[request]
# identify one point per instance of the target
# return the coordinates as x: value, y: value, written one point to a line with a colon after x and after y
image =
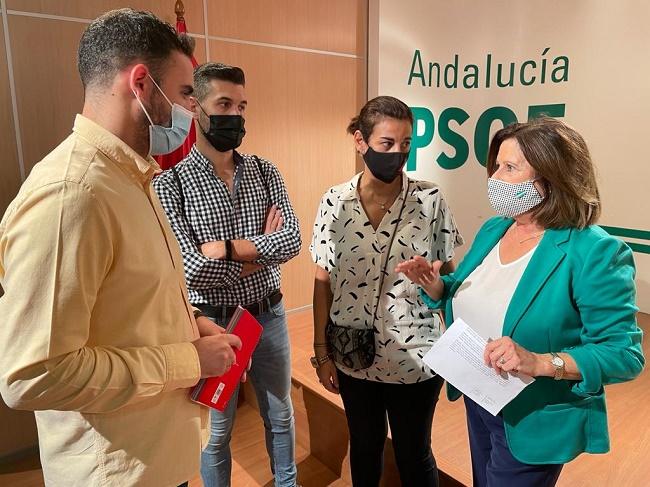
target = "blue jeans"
x: 493, y: 465
x: 270, y: 376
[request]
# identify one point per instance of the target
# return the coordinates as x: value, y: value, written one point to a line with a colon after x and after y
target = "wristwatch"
x: 228, y: 245
x: 197, y: 313
x: 558, y: 363
x: 317, y: 362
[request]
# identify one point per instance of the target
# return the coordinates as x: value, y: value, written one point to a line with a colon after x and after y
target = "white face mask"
x: 513, y: 199
x: 163, y: 140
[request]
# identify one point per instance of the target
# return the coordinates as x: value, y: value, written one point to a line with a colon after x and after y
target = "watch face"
x: 557, y: 362
x: 314, y: 362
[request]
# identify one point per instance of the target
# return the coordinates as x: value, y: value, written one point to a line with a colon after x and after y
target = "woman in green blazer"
x: 553, y: 294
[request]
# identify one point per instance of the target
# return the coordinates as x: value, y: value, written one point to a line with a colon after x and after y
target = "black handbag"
x: 354, y: 348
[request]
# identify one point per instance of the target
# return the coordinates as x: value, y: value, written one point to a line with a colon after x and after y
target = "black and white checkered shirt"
x: 212, y: 213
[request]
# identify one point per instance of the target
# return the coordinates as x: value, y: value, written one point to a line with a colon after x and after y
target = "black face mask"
x: 226, y: 132
x: 385, y: 166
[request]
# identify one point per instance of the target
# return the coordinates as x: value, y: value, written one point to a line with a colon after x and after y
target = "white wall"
x: 604, y: 90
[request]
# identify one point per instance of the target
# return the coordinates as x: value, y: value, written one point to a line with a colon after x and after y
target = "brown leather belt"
x: 263, y: 306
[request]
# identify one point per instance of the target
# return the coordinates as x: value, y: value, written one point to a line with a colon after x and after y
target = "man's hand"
x: 207, y: 327
x: 250, y: 268
x: 216, y: 353
x: 274, y: 220
x: 214, y: 250
x: 244, y: 376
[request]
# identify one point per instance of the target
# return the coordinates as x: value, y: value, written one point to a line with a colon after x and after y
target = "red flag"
x: 168, y: 160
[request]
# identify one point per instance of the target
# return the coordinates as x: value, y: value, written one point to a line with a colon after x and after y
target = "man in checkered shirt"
x: 235, y: 225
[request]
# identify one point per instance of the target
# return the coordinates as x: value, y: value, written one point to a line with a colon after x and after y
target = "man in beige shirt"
x: 96, y: 332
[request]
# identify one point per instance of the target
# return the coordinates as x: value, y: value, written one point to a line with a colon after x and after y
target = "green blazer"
x: 577, y: 295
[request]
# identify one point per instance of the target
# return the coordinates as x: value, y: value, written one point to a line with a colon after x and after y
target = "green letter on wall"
x: 554, y: 110
x: 420, y: 140
x: 482, y: 132
x: 454, y: 139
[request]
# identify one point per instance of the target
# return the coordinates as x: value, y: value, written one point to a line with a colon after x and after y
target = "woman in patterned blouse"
x: 363, y: 229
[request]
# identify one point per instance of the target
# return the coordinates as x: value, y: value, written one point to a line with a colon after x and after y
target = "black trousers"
x: 409, y: 408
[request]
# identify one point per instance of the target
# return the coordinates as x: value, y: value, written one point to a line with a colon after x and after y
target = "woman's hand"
x: 504, y: 355
x: 328, y: 377
x: 423, y: 273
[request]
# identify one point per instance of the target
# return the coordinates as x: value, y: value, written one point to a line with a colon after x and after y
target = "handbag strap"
x: 390, y: 246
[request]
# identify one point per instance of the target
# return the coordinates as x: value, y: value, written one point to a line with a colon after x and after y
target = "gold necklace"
x: 537, y: 235
x: 530, y: 238
x: 373, y: 200
x: 383, y: 205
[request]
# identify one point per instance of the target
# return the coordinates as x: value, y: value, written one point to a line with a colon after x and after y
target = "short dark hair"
x: 119, y: 37
x: 207, y: 72
x: 560, y: 157
x: 377, y: 109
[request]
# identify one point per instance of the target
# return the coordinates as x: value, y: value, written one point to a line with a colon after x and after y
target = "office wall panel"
x: 48, y: 89
x: 9, y: 168
x: 89, y: 9
x: 330, y: 26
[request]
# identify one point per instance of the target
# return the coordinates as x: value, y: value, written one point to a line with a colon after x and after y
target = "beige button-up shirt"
x: 95, y: 325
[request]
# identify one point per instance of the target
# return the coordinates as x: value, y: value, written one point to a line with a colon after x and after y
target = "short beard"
x: 160, y: 111
x: 142, y: 131
x: 201, y: 121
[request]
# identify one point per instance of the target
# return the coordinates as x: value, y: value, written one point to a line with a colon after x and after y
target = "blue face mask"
x: 513, y: 199
x: 163, y: 140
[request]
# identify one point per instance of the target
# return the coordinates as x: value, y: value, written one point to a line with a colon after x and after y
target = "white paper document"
x: 458, y: 357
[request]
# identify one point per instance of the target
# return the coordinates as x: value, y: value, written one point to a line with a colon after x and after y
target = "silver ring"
x: 502, y: 361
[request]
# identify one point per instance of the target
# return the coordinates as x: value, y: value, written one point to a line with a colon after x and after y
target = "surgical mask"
x: 513, y: 199
x: 385, y: 166
x: 226, y: 132
x: 163, y: 140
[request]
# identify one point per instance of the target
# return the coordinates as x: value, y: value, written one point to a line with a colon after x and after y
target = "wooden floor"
x: 626, y: 465
x: 250, y: 461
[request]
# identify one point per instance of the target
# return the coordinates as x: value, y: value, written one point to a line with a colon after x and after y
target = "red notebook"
x: 217, y: 391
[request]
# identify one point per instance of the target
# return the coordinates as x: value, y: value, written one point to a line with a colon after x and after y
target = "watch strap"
x: 228, y: 244
x: 559, y: 369
x: 318, y: 361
